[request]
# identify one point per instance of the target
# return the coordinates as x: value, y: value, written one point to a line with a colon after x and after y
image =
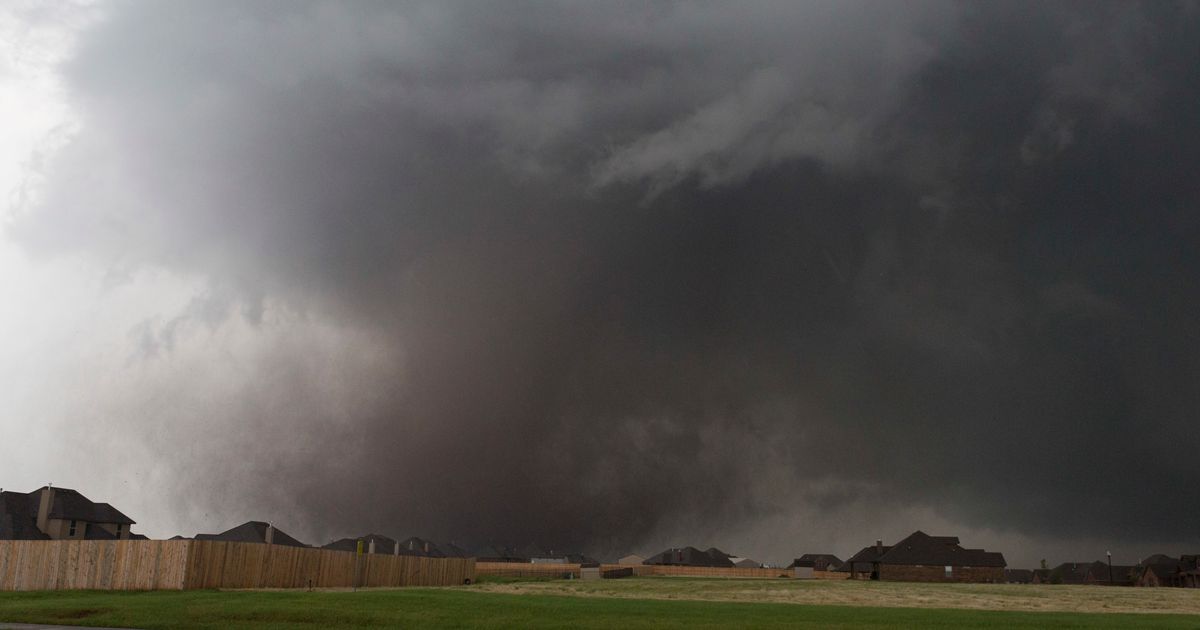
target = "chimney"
x: 47, y: 502
x: 270, y: 534
x: 879, y: 547
x: 371, y: 546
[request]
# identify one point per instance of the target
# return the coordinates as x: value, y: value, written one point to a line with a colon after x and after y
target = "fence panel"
x: 28, y: 565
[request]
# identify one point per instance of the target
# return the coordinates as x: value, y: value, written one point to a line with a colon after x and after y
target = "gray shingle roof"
x: 691, y: 557
x: 71, y: 505
x: 18, y: 517
x: 252, y: 531
x: 921, y: 548
x: 383, y: 544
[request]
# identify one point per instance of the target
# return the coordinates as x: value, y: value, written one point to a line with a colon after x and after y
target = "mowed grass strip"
x: 473, y: 608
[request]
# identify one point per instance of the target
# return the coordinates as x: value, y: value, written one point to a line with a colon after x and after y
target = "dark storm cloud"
x: 631, y: 262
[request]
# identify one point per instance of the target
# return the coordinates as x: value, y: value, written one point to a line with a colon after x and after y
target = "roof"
x: 71, y: 505
x: 921, y: 548
x: 1161, y: 569
x: 816, y: 558
x: 1069, y: 573
x: 1158, y: 558
x: 383, y: 544
x: 868, y: 554
x: 1019, y: 576
x: 1099, y: 571
x: 690, y: 556
x: 18, y: 517
x: 254, y: 532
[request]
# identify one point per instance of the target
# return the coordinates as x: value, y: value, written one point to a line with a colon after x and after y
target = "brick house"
x: 924, y: 558
x: 50, y: 513
x: 1162, y: 570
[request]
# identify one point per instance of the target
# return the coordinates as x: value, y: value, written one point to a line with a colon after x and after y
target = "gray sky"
x: 775, y: 277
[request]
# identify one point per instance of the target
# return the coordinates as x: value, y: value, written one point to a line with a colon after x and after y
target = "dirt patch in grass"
x: 77, y: 613
x: 1013, y: 597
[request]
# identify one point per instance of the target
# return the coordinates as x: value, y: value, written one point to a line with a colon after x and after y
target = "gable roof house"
x: 420, y: 547
x: 690, y: 557
x: 1018, y: 576
x: 1099, y: 572
x: 820, y: 561
x: 372, y: 543
x: 924, y: 558
x: 1158, y: 574
x: 254, y: 532
x: 1167, y: 571
x: 1069, y: 573
x: 50, y: 513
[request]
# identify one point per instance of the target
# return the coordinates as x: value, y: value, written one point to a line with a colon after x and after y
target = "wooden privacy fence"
x: 27, y: 565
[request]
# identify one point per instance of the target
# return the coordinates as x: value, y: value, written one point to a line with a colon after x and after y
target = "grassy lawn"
x: 476, y: 607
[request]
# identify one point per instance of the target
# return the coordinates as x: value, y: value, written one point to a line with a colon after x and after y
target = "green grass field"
x: 482, y: 607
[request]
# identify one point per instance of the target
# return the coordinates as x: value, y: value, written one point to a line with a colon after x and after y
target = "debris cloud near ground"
x: 778, y: 278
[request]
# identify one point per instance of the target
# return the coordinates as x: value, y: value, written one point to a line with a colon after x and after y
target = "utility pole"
x: 1110, y: 580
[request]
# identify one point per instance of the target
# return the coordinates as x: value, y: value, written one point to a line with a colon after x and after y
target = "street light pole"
x: 1110, y: 580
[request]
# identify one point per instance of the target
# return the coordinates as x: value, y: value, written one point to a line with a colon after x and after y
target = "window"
x: 949, y: 571
x: 119, y: 525
x: 71, y: 531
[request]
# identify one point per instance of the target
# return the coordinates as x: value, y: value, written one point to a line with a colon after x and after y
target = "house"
x: 254, y: 532
x: 50, y: 513
x: 745, y: 563
x: 422, y: 547
x: 632, y: 558
x: 1069, y: 573
x: 690, y: 557
x: 1167, y: 571
x: 1099, y: 572
x: 1159, y: 574
x: 802, y: 569
x: 820, y: 561
x: 924, y: 558
x: 371, y: 543
x: 1018, y: 576
x: 868, y: 557
x: 538, y: 554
